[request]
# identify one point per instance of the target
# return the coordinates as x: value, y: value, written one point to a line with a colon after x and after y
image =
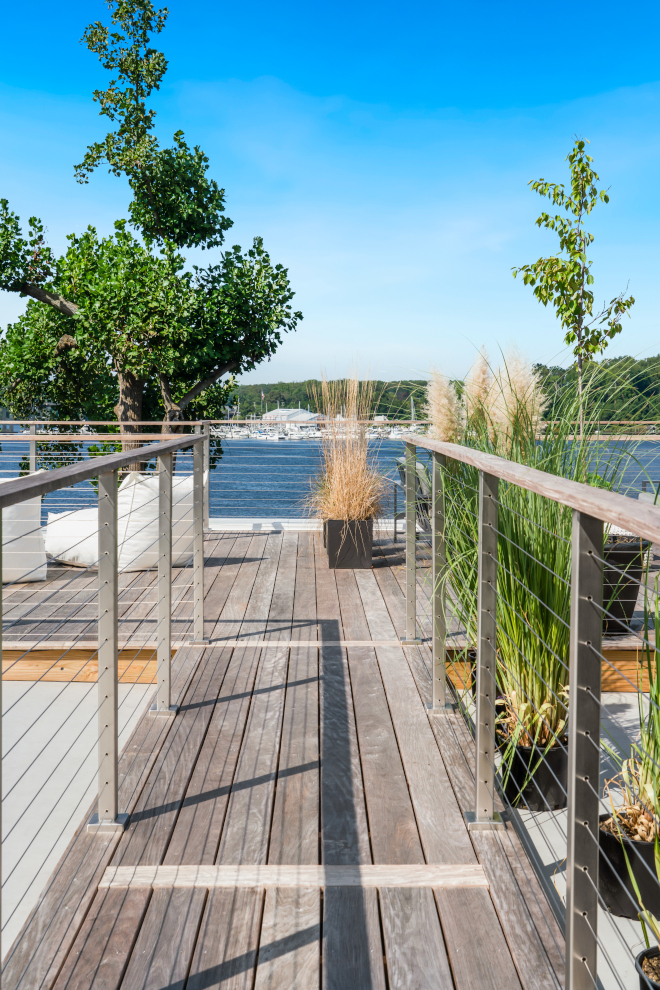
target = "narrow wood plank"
x: 203, y: 814
x: 231, y: 556
x: 100, y: 953
x: 144, y: 746
x: 441, y: 825
x: 394, y: 598
x: 530, y: 927
x: 392, y: 825
x: 483, y: 961
x: 280, y: 611
x: 137, y: 666
x: 534, y: 938
x: 344, y: 828
x: 287, y: 875
x: 290, y: 945
x: 352, y: 944
x: 414, y: 946
x: 255, y: 619
x: 44, y: 623
x: 164, y: 948
x: 201, y: 819
x: 294, y: 834
x: 229, y: 622
x: 182, y: 590
x: 247, y: 824
x: 153, y: 820
x: 226, y: 952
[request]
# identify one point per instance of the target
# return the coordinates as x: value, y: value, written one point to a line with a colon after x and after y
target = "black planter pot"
x: 614, y: 880
x: 645, y: 982
x: 349, y: 543
x: 546, y: 789
x: 627, y: 555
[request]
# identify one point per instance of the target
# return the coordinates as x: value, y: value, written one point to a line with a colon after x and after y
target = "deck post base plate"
x: 475, y: 824
x: 164, y: 712
x: 119, y: 825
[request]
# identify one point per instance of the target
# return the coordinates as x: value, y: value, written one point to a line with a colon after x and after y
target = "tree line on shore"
x: 628, y: 388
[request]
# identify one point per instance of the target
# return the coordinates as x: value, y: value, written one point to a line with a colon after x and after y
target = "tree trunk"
x: 129, y: 412
x: 580, y: 406
x: 173, y: 412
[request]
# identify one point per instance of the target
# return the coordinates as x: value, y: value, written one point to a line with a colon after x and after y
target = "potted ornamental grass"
x: 630, y: 830
x: 500, y: 413
x: 647, y: 962
x: 349, y: 492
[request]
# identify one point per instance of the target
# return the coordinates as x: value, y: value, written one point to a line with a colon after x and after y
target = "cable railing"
x: 92, y: 616
x: 536, y: 598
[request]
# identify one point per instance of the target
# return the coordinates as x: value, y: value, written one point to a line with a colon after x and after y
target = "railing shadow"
x: 344, y: 840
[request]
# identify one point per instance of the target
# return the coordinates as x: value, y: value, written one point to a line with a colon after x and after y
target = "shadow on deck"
x: 294, y: 748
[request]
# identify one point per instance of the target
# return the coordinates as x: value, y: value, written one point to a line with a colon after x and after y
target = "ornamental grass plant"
x: 349, y: 485
x: 502, y: 416
x: 637, y: 815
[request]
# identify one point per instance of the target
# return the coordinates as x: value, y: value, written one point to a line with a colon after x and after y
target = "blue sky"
x: 383, y: 153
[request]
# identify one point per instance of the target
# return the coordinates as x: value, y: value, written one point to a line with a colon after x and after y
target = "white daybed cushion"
x: 72, y: 537
x: 23, y: 550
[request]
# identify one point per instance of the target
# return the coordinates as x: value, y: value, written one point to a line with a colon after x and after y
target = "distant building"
x: 292, y: 416
x: 380, y: 419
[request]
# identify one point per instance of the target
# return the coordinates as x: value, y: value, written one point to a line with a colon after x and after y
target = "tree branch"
x: 50, y: 298
x: 206, y: 383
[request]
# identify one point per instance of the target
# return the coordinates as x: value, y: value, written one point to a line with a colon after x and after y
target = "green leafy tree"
x: 144, y: 329
x: 564, y: 280
x: 122, y: 316
x: 173, y: 199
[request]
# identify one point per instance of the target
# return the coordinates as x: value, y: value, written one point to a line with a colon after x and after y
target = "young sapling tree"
x: 564, y: 279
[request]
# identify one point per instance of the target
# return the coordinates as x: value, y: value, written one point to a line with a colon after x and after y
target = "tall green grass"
x: 534, y: 549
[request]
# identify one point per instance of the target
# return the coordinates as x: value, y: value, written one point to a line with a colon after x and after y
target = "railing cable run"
x: 109, y: 817
x: 582, y: 627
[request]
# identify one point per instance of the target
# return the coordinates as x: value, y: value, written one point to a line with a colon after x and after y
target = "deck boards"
x: 302, y: 740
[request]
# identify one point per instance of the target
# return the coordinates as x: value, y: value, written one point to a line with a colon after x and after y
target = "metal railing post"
x: 584, y: 753
x: 207, y: 476
x: 394, y: 486
x: 484, y: 816
x: 411, y: 545
x: 163, y: 703
x: 438, y: 593
x: 33, y: 450
x: 107, y: 818
x: 198, y: 544
x: 1, y: 754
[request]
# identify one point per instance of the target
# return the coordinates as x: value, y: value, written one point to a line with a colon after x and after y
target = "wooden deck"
x: 302, y: 740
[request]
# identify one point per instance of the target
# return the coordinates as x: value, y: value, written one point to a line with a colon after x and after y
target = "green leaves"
x: 22, y: 259
x: 122, y: 319
x: 139, y: 314
x: 563, y: 280
x: 174, y: 200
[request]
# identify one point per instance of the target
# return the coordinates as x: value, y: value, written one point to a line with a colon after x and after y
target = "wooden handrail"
x: 639, y: 518
x: 35, y: 485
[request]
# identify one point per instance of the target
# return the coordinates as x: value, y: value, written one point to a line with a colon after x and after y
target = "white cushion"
x: 23, y: 551
x: 72, y: 537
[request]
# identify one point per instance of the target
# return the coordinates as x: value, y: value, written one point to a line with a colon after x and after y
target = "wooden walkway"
x: 302, y: 740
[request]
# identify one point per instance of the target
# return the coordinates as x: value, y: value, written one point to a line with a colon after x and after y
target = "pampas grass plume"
x: 517, y: 401
x: 443, y: 408
x: 478, y: 385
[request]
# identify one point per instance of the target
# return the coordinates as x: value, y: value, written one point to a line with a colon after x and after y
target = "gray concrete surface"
x: 49, y: 733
